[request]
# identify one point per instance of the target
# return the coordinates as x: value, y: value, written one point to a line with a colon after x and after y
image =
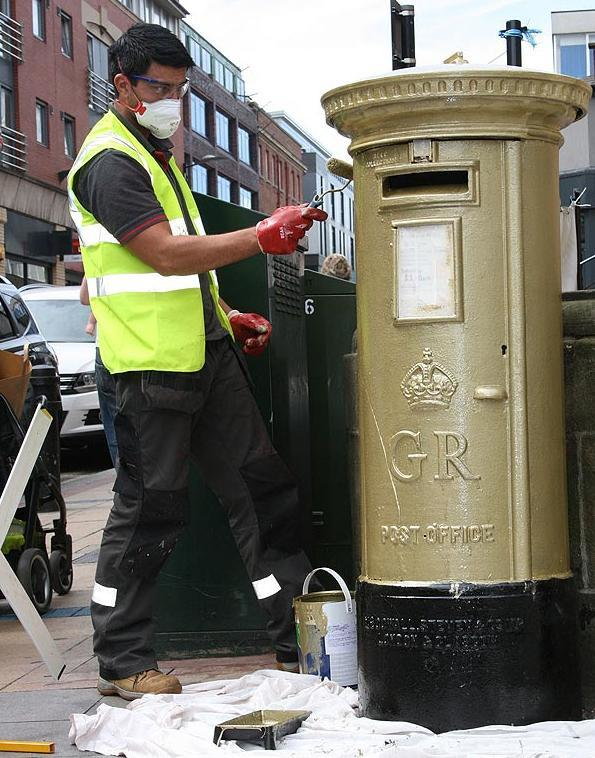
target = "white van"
x: 62, y: 319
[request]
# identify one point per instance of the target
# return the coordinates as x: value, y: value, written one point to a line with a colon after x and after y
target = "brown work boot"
x: 152, y: 682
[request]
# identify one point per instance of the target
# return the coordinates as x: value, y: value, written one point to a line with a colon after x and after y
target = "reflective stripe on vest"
x: 95, y: 234
x: 115, y: 284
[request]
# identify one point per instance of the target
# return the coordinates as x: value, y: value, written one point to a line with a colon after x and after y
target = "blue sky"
x: 293, y: 52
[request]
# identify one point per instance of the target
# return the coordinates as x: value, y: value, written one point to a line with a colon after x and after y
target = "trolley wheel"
x: 33, y: 572
x: 60, y: 572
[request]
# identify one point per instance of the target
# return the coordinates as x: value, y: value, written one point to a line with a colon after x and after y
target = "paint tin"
x: 326, y: 632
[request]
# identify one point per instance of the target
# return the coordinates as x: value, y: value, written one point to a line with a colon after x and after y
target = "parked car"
x: 18, y: 331
x: 62, y: 320
x: 18, y: 328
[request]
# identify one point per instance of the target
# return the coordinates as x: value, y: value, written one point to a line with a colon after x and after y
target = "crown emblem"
x: 428, y: 384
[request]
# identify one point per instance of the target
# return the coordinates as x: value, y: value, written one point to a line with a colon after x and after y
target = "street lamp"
x: 198, y: 161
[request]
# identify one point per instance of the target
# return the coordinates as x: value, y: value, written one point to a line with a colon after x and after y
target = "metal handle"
x: 340, y: 581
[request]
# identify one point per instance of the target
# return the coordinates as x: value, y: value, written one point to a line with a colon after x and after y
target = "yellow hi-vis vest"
x: 146, y: 321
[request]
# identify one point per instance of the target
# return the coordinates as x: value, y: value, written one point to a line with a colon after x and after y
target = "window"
x: 240, y: 89
x: 69, y: 136
x: 199, y: 179
x: 198, y: 114
x: 97, y: 57
x: 228, y: 80
x: 59, y: 320
x: 205, y: 60
x: 41, y: 123
x: 218, y: 71
x: 573, y: 60
x: 38, y: 8
x: 6, y: 108
x: 223, y: 189
x: 5, y: 7
x: 222, y: 126
x: 66, y: 34
x: 19, y: 313
x: 6, y: 330
x: 245, y: 197
x: 193, y: 49
x: 244, y: 145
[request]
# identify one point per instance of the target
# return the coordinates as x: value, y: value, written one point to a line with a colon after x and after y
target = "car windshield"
x: 61, y: 320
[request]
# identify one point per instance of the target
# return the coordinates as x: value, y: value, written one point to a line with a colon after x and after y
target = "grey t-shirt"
x: 117, y: 190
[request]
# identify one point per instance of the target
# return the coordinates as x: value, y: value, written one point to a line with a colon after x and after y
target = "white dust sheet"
x: 181, y: 726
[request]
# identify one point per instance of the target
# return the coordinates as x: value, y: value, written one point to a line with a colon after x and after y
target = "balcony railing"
x: 14, y: 151
x: 11, y: 38
x: 101, y: 92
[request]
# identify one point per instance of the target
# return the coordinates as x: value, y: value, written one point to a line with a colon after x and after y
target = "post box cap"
x: 457, y: 102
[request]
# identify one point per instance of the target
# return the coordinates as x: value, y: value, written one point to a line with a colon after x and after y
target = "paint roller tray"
x: 261, y: 727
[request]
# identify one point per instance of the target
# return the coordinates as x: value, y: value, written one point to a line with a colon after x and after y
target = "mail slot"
x: 466, y: 602
x: 425, y: 182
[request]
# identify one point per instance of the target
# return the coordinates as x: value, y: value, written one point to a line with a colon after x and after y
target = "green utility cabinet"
x: 205, y: 602
x: 329, y: 307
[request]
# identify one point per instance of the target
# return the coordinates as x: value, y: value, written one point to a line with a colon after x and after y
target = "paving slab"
x: 30, y: 707
x: 45, y: 717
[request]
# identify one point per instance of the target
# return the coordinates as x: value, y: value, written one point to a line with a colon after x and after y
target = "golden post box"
x: 466, y: 604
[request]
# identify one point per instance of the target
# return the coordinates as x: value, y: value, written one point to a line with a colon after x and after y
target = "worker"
x: 181, y: 391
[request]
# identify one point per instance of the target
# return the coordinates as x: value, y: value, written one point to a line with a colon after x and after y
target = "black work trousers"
x: 163, y: 420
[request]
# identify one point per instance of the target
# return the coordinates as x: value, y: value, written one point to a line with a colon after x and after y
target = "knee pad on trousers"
x: 162, y: 518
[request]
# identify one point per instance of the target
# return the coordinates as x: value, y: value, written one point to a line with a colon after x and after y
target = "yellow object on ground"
x: 7, y: 746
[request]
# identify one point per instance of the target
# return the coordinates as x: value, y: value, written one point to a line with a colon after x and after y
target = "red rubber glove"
x: 251, y: 331
x: 280, y: 233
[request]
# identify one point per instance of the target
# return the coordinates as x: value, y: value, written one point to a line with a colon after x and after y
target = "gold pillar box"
x: 460, y: 380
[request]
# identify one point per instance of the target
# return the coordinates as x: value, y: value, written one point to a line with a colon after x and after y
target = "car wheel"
x: 33, y: 572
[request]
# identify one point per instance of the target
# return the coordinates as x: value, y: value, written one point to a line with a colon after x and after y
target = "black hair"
x: 143, y: 44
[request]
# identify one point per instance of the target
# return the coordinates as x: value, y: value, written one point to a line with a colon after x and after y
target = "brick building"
x: 280, y: 164
x: 53, y: 71
x: 54, y: 86
x: 219, y: 128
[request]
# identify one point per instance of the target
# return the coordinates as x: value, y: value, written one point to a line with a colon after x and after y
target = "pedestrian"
x: 106, y: 386
x: 337, y: 265
x: 164, y: 335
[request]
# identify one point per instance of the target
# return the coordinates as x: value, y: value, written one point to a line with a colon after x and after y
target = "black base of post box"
x: 458, y: 656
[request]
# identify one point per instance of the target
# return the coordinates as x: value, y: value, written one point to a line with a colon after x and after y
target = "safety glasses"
x: 164, y: 89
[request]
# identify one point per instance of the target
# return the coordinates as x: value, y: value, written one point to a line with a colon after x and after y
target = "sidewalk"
x: 33, y: 706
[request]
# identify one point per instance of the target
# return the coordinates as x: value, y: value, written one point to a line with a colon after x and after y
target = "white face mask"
x: 161, y: 118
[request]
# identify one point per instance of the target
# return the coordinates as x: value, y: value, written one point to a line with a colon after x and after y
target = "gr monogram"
x: 409, y: 456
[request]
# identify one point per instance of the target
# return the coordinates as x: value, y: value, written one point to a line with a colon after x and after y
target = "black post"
x: 513, y: 44
x: 403, y: 35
